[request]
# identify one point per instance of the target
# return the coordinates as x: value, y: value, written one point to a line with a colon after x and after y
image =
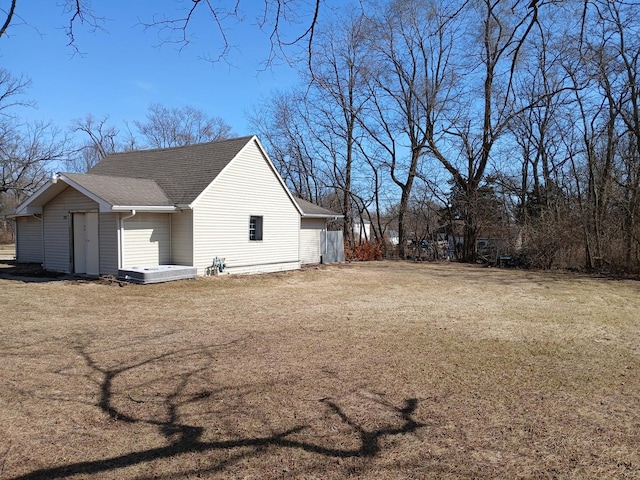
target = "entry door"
x: 86, y: 252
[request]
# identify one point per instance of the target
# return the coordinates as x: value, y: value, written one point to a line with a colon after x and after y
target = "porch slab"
x: 157, y: 273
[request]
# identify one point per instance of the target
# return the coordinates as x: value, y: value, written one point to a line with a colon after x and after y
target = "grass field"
x: 376, y: 370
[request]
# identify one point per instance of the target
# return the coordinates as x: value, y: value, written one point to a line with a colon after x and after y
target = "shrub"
x: 363, y: 252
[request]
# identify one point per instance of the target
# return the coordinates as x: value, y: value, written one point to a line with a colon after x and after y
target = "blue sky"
x: 124, y: 68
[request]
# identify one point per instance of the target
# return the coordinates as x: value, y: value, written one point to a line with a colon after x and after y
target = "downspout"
x: 122, y: 219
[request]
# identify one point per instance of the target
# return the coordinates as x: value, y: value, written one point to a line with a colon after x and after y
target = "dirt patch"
x: 11, y: 268
x: 378, y: 370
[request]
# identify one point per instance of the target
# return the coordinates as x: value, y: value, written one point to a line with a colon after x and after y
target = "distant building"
x: 362, y: 231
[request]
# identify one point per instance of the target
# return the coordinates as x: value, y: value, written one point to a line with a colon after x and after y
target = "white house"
x: 176, y: 206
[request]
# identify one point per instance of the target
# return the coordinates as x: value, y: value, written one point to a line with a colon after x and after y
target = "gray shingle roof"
x: 121, y: 190
x: 312, y: 210
x: 182, y: 172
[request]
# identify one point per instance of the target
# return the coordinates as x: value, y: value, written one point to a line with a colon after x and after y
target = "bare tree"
x: 543, y: 132
x: 579, y: 184
x: 26, y: 156
x: 337, y: 97
x: 610, y: 52
x: 26, y: 150
x: 276, y: 18
x: 314, y: 134
x: 410, y: 83
x: 624, y: 96
x: 102, y: 141
x: 12, y: 89
x: 282, y: 123
x: 485, y: 100
x: 172, y: 127
x: 421, y: 222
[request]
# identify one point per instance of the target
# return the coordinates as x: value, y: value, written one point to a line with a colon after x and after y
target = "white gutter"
x: 144, y: 208
x: 122, y: 219
x: 320, y: 215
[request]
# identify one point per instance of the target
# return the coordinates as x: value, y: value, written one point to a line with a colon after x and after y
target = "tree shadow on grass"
x: 183, y: 438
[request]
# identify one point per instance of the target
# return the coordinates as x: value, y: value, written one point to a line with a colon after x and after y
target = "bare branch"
x: 80, y: 12
x: 7, y: 21
x: 10, y: 88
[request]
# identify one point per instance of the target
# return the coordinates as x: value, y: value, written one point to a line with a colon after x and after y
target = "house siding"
x: 108, y: 229
x: 147, y: 240
x: 247, y: 187
x: 57, y: 224
x: 29, y: 240
x: 310, y: 239
x: 182, y: 238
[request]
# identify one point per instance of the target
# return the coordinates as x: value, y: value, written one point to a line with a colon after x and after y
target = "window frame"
x: 256, y: 223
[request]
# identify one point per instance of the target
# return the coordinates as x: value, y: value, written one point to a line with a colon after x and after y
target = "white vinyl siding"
x: 147, y: 240
x: 29, y: 240
x: 182, y: 238
x: 57, y: 226
x: 247, y: 187
x: 311, y: 230
x: 108, y: 243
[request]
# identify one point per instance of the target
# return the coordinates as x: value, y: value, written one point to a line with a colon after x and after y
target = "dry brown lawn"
x: 375, y: 370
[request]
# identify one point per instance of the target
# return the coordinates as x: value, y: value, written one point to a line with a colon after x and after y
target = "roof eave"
x: 33, y: 212
x: 26, y: 211
x: 25, y: 208
x: 145, y: 208
x: 321, y: 215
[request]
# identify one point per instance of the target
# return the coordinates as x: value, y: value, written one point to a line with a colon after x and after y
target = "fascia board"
x: 144, y: 208
x: 319, y: 215
x: 29, y: 212
x: 23, y: 208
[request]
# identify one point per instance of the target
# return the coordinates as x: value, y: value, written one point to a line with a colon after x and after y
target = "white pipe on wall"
x: 122, y: 219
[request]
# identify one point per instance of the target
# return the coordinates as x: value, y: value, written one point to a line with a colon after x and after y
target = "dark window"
x: 255, y: 228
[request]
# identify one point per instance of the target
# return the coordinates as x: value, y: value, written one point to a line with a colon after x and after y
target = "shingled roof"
x: 181, y: 172
x: 312, y: 210
x: 122, y: 190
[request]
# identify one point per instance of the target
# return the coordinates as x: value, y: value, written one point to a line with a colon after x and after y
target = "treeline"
x: 517, y: 119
